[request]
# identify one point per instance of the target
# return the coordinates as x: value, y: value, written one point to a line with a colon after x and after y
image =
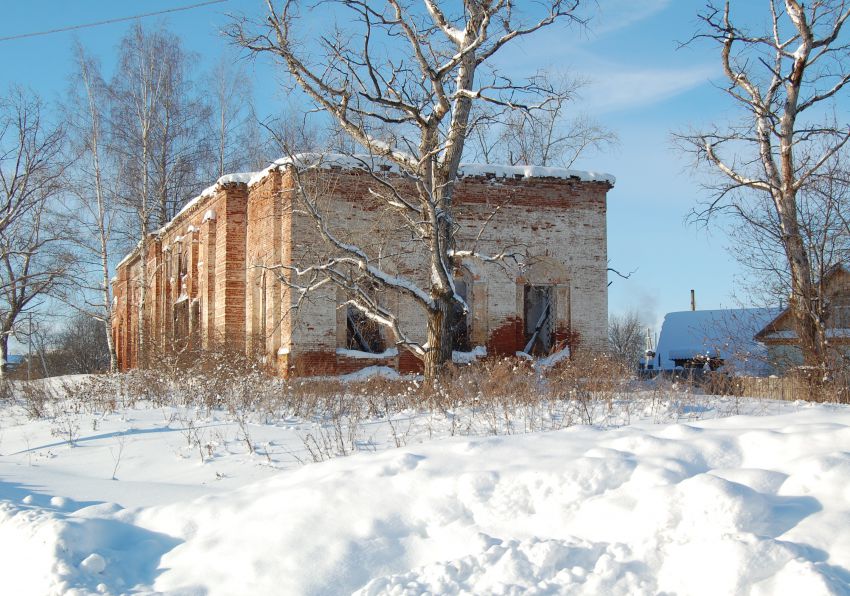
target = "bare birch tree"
x: 546, y: 135
x: 137, y: 91
x: 783, y: 79
x: 92, y: 182
x: 823, y: 213
x: 33, y: 261
x: 182, y: 147
x: 401, y: 81
x: 231, y: 115
x: 155, y: 120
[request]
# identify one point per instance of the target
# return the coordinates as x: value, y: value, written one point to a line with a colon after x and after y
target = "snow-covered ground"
x: 663, y: 494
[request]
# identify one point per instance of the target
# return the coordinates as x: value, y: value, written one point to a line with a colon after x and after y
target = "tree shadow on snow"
x: 115, y: 434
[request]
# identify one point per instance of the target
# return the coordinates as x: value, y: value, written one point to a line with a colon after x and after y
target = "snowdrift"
x: 756, y: 505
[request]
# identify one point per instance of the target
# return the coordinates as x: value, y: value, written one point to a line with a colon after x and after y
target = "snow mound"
x: 46, y: 552
x: 679, y: 509
x: 521, y: 567
x: 742, y: 505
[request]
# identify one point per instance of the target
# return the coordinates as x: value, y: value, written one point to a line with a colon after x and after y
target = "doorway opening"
x: 539, y: 319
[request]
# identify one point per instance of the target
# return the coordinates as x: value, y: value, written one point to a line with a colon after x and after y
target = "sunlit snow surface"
x: 748, y: 504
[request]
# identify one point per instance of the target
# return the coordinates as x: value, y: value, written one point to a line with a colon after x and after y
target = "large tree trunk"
x: 439, y: 350
x: 142, y: 358
x: 806, y: 312
x: 4, y: 355
x: 107, y: 301
x: 804, y: 296
x: 110, y: 341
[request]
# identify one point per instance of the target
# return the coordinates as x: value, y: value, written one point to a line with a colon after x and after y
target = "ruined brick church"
x: 213, y: 274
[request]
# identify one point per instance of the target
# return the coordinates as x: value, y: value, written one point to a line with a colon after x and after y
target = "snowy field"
x: 664, y: 493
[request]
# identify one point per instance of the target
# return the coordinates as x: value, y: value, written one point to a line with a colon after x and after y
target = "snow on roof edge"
x: 506, y: 171
x: 235, y: 178
x: 128, y: 256
x: 359, y: 161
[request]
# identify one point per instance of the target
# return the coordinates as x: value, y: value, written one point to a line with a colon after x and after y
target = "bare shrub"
x: 148, y: 385
x: 815, y: 384
x: 591, y: 383
x: 65, y: 423
x: 720, y: 383
x: 36, y: 397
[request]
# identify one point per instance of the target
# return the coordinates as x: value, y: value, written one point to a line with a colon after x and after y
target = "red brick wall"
x: 557, y: 225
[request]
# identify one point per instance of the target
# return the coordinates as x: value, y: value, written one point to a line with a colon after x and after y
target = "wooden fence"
x: 792, y: 388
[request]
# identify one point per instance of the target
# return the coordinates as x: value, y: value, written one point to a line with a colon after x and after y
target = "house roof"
x: 726, y: 334
x: 773, y: 329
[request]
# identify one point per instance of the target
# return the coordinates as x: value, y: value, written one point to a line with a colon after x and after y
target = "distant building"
x: 714, y: 340
x: 779, y: 334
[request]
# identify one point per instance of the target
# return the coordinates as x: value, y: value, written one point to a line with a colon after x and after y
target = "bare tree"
x: 782, y: 79
x: 137, y: 91
x: 545, y: 135
x: 401, y: 81
x: 92, y: 182
x: 823, y: 213
x: 154, y: 140
x: 33, y: 261
x: 627, y: 337
x: 231, y: 116
x: 293, y: 127
x: 182, y: 149
x: 80, y: 347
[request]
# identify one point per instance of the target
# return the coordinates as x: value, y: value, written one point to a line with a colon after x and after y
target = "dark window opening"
x: 459, y: 320
x: 362, y: 333
x: 539, y: 320
x: 195, y: 319
x: 180, y: 328
x: 263, y: 306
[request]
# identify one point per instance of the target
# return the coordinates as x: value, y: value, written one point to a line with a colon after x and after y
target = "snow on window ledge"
x: 360, y: 355
x: 469, y: 357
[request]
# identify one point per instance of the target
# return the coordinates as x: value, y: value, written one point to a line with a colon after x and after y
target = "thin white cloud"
x: 613, y: 15
x: 615, y: 90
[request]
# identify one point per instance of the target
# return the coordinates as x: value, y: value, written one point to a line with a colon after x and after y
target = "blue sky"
x: 642, y: 86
